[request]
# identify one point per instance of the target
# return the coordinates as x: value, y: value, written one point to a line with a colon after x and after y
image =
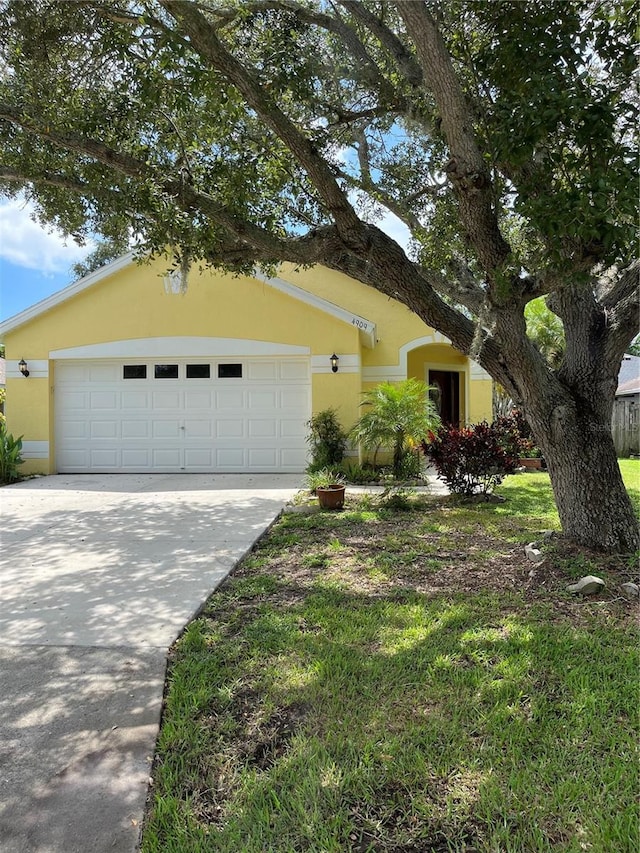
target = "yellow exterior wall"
x: 396, y: 325
x: 27, y: 410
x: 481, y: 401
x: 132, y: 304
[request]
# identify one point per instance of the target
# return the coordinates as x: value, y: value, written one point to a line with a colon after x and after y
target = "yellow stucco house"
x: 128, y: 374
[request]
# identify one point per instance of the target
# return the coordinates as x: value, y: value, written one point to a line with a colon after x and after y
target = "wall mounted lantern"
x: 22, y: 365
x: 334, y: 362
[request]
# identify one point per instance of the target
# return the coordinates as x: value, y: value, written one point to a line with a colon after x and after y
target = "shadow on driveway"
x: 99, y: 574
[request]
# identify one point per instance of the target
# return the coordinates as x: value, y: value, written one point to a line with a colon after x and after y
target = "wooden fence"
x: 625, y: 426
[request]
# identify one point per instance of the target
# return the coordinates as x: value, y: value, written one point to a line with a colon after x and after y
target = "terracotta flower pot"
x: 534, y: 463
x: 331, y: 497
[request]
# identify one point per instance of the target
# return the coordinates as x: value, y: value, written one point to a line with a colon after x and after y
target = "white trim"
x: 477, y: 371
x: 178, y: 347
x: 346, y: 363
x: 398, y: 372
x: 383, y: 373
x: 66, y: 293
x: 35, y: 449
x: 405, y: 349
x: 38, y: 369
x: 366, y: 327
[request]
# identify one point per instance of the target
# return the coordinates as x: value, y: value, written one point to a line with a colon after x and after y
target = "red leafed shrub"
x: 472, y: 460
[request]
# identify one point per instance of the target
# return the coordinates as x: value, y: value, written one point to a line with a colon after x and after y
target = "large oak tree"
x: 252, y: 132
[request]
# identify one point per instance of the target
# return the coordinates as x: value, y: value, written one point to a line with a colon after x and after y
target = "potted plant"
x: 328, y: 486
x: 530, y: 456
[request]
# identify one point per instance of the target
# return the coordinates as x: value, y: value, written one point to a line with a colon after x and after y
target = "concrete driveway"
x: 98, y: 576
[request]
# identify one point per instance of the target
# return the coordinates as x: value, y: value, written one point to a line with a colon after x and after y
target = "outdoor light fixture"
x: 22, y: 364
x: 334, y: 362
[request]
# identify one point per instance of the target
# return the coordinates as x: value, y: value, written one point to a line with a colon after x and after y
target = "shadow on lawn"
x: 394, y: 722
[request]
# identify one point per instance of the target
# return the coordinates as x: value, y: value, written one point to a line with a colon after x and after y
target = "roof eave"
x: 68, y: 292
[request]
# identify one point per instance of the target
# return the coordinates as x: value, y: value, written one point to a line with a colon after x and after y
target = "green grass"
x: 330, y: 698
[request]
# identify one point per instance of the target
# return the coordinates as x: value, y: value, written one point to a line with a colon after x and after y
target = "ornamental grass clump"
x: 10, y: 455
x: 471, y: 460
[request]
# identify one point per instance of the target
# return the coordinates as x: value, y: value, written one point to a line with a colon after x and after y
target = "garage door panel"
x: 76, y: 460
x: 73, y: 401
x: 293, y: 428
x: 251, y: 418
x: 195, y: 400
x: 262, y: 400
x: 135, y: 400
x: 200, y: 458
x: 229, y: 399
x: 263, y: 457
x: 72, y: 372
x: 104, y: 429
x: 103, y: 400
x: 230, y: 458
x: 166, y: 399
x: 74, y: 429
x: 266, y: 370
x: 166, y: 458
x: 106, y: 459
x: 103, y: 373
x: 166, y: 428
x: 135, y: 429
x: 198, y: 428
x: 264, y: 428
x: 229, y: 428
x: 136, y: 459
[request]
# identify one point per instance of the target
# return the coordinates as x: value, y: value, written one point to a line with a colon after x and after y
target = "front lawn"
x: 398, y: 682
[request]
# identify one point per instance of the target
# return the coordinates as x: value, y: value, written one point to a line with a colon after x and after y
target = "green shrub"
x: 10, y: 455
x: 327, y: 440
x: 515, y: 435
x: 472, y: 460
x: 398, y: 417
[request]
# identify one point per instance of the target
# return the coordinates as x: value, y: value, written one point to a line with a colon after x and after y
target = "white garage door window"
x: 192, y: 415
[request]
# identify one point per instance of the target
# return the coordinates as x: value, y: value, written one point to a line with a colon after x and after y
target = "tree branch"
x: 466, y: 168
x: 8, y: 173
x: 337, y: 26
x: 620, y: 286
x: 186, y: 196
x: 622, y: 305
x: 410, y: 69
x: 206, y: 42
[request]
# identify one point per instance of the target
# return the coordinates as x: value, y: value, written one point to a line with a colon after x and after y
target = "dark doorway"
x: 446, y: 395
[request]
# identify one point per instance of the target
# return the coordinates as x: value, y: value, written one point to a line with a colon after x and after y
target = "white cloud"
x: 26, y: 244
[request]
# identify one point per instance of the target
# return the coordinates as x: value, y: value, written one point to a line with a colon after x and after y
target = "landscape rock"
x: 301, y: 509
x: 630, y: 590
x: 533, y: 554
x: 588, y: 585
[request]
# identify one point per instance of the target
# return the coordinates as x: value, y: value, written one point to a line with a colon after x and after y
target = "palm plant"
x: 399, y: 416
x: 546, y: 331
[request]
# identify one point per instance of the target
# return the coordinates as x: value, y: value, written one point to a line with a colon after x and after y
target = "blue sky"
x: 34, y: 262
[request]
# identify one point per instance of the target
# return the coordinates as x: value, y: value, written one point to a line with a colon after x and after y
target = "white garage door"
x: 192, y: 415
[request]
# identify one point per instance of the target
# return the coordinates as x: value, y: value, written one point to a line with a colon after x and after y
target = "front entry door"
x: 446, y: 395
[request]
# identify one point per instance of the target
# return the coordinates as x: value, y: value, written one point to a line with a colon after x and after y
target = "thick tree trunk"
x: 594, y: 507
